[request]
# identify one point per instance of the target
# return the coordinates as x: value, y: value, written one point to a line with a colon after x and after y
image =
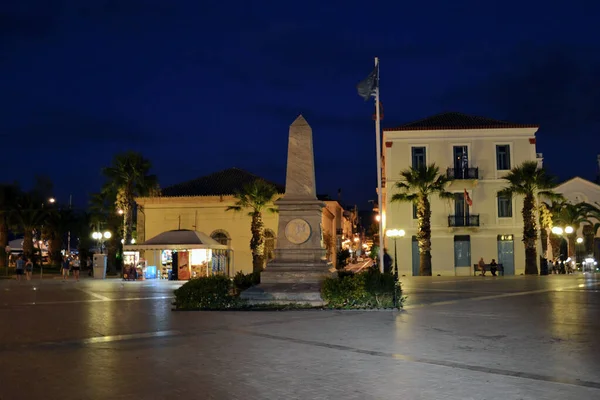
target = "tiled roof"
x: 456, y: 120
x: 226, y: 182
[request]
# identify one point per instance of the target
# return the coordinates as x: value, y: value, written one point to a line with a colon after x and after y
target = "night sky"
x: 200, y: 86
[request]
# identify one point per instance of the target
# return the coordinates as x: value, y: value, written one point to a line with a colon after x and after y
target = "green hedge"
x: 369, y: 289
x: 207, y: 293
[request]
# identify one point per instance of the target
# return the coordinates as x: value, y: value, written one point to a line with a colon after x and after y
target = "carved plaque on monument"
x: 297, y: 231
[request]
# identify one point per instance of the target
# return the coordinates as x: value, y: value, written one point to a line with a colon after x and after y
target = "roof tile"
x: 456, y: 120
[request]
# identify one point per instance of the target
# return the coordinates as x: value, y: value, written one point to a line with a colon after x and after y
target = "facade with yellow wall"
x: 202, y: 204
x: 477, y: 152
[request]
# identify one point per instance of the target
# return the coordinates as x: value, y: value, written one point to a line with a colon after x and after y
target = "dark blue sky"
x: 199, y: 86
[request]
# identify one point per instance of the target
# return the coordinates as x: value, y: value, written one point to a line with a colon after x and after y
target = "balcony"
x: 462, y: 220
x: 463, y: 173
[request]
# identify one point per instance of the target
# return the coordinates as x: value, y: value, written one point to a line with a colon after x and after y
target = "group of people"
x: 71, y: 264
x: 493, y: 267
x: 24, y: 266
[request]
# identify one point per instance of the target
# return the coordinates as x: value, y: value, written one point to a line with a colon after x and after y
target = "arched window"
x: 269, y: 245
x: 221, y: 236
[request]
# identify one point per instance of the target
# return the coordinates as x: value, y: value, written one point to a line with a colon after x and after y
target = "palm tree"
x: 8, y: 202
x: 57, y: 223
x: 417, y: 187
x: 529, y: 181
x: 29, y: 216
x: 127, y: 178
x: 573, y: 215
x: 547, y: 213
x: 257, y: 197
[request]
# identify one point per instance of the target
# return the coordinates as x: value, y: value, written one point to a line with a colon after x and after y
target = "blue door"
x: 415, y: 256
x: 462, y: 251
x: 506, y: 253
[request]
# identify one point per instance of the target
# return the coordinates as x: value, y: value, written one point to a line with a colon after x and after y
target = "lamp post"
x: 568, y: 230
x: 395, y: 234
x: 99, y: 236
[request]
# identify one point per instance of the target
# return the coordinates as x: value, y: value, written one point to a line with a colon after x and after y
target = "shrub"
x: 370, y: 289
x: 207, y: 293
x: 243, y: 281
x: 342, y: 258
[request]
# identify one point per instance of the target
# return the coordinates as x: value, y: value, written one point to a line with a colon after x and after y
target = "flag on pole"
x: 468, y: 199
x: 366, y: 88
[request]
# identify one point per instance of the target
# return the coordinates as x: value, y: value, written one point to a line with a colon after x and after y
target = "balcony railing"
x: 463, y: 173
x: 463, y: 220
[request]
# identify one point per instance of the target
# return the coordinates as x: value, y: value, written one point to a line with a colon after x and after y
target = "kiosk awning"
x: 181, y: 239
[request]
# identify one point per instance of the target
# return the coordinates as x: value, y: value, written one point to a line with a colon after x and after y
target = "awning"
x: 181, y: 239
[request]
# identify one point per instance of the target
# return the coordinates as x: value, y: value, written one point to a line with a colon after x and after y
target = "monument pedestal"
x: 300, y: 263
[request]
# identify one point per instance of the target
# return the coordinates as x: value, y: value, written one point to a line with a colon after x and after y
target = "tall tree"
x: 417, y: 186
x: 529, y: 181
x: 573, y: 215
x: 29, y: 216
x: 256, y: 197
x: 58, y: 221
x: 127, y: 178
x: 8, y: 203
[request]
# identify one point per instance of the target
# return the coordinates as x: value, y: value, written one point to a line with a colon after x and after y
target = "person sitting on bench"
x: 493, y: 267
x: 482, y: 266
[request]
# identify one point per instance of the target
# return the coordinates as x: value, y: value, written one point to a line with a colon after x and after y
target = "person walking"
x: 66, y: 266
x: 28, y: 269
x: 482, y: 266
x: 20, y: 267
x: 76, y: 268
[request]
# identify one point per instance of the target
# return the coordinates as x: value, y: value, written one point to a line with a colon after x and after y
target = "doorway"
x: 506, y: 253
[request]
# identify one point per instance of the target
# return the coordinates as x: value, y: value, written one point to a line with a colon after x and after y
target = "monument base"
x: 290, y: 283
x: 284, y: 293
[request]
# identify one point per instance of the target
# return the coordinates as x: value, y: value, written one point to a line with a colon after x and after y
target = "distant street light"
x: 579, y: 240
x: 51, y: 200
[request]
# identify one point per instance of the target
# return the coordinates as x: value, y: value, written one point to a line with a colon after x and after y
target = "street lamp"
x: 99, y: 236
x: 395, y: 234
x: 568, y: 230
x: 579, y: 240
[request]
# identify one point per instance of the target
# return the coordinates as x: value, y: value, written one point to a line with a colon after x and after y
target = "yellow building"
x: 477, y: 153
x: 200, y: 205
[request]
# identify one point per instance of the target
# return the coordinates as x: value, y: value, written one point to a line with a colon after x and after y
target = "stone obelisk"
x: 300, y: 263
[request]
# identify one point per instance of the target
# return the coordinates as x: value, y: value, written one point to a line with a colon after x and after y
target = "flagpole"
x: 378, y: 145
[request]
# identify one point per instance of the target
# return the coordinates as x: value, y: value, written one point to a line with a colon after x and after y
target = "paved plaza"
x: 458, y: 338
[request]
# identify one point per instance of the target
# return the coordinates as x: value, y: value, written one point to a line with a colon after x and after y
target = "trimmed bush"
x: 243, y: 281
x: 369, y: 289
x: 206, y: 293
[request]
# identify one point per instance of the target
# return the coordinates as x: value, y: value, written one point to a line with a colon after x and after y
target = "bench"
x: 487, y: 269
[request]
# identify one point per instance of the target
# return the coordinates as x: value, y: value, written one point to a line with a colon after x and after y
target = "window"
x: 418, y: 157
x: 504, y: 206
x: 414, y: 208
x: 221, y: 236
x: 502, y: 157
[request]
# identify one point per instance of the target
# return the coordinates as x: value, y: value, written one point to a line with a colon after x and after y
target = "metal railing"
x: 463, y: 173
x: 463, y: 220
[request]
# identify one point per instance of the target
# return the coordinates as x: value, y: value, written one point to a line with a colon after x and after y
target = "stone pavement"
x: 458, y: 338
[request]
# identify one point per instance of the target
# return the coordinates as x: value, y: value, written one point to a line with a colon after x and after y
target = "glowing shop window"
x: 200, y: 256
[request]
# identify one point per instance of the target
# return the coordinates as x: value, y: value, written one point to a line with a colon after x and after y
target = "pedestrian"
x: 482, y: 266
x: 493, y: 267
x: 66, y: 266
x: 387, y: 262
x: 76, y: 268
x: 28, y: 268
x: 20, y: 267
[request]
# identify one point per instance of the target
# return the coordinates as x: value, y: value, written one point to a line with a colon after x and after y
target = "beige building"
x: 200, y: 205
x: 476, y: 152
x: 579, y: 190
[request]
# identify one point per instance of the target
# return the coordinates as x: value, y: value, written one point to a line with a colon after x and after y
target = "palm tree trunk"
x: 3, y: 240
x: 424, y: 235
x: 257, y: 243
x: 555, y: 243
x: 572, y: 244
x: 529, y: 235
x: 544, y: 238
x: 28, y: 243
